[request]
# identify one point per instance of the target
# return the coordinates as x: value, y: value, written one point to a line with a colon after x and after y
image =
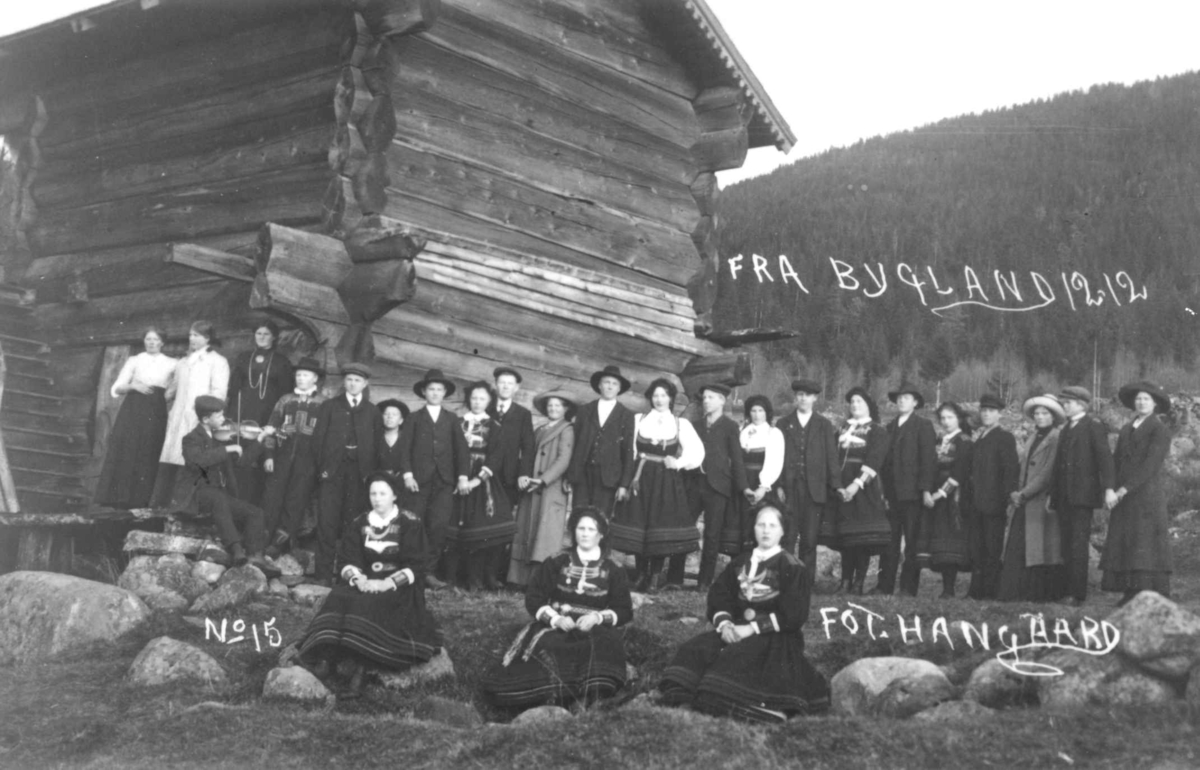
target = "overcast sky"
x: 841, y: 71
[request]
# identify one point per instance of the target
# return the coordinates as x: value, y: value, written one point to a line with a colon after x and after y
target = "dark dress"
x: 738, y: 533
x: 393, y: 629
x: 764, y: 677
x: 945, y: 548
x: 484, y: 517
x: 547, y: 665
x: 657, y: 520
x: 134, y: 445
x: 862, y: 523
x: 255, y: 386
x: 1137, y: 551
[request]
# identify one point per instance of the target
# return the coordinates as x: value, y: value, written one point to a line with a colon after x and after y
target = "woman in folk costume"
x: 573, y: 650
x: 258, y: 379
x: 542, y: 514
x: 136, y: 439
x: 482, y: 523
x: 752, y: 664
x: 945, y: 550
x: 380, y: 618
x: 1137, y: 551
x: 202, y: 372
x: 1033, y: 561
x: 762, y: 453
x: 862, y: 526
x: 657, y: 521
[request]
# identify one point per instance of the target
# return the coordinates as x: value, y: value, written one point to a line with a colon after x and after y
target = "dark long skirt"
x: 763, y: 678
x: 944, y: 539
x: 1043, y: 583
x: 482, y: 519
x: 550, y: 666
x: 392, y: 630
x: 738, y: 533
x: 134, y: 445
x: 657, y: 521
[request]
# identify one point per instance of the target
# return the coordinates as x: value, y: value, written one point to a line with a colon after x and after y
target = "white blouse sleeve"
x: 773, y: 461
x: 181, y: 373
x: 637, y: 424
x: 218, y: 383
x: 125, y: 378
x: 691, y: 447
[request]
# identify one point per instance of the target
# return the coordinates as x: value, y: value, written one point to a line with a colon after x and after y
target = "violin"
x: 247, y: 429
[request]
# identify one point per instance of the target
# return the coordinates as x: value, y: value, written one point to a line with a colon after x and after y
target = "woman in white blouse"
x: 657, y: 521
x: 762, y: 454
x: 203, y: 372
x: 135, y: 441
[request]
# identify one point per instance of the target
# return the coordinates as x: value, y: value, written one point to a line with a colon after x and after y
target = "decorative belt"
x: 642, y: 460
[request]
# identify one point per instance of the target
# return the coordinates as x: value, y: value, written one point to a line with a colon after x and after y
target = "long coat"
x: 911, y: 464
x: 1137, y: 531
x: 723, y: 466
x: 1043, y: 538
x: 994, y: 472
x: 612, y: 444
x: 542, y: 517
x: 202, y: 373
x: 1083, y: 469
x: 821, y: 468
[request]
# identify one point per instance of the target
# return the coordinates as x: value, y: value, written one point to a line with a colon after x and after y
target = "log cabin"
x: 421, y: 183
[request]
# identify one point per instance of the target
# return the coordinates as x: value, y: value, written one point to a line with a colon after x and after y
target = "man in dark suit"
x: 908, y: 476
x: 810, y: 470
x: 511, y: 446
x: 206, y: 485
x: 994, y: 477
x: 711, y: 487
x: 1083, y: 481
x: 435, y: 462
x: 602, y: 460
x: 347, y: 444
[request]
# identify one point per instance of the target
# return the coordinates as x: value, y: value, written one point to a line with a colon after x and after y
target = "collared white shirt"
x: 434, y: 411
x: 664, y: 426
x: 503, y: 406
x: 353, y: 400
x: 902, y: 419
x: 604, y: 409
x: 803, y: 418
x: 771, y: 439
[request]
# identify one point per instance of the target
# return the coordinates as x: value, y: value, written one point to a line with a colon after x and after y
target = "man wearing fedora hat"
x: 908, y: 476
x: 290, y: 460
x: 435, y: 462
x: 810, y: 470
x: 710, y: 488
x: 512, y: 443
x: 602, y: 459
x: 347, y: 441
x: 1084, y: 476
x: 995, y: 475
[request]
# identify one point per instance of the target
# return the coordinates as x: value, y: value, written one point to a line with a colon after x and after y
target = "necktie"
x: 354, y: 403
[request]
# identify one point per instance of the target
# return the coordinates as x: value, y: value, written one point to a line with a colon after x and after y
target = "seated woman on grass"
x: 752, y: 666
x: 379, y: 618
x: 573, y: 651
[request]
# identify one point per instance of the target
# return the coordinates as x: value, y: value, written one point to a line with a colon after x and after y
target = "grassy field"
x: 79, y: 712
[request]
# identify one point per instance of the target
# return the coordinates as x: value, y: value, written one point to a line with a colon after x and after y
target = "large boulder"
x: 310, y: 595
x: 276, y: 587
x: 236, y: 586
x: 166, y: 660
x: 995, y: 685
x: 289, y: 565
x: 294, y: 683
x: 909, y: 695
x: 539, y: 715
x: 44, y: 613
x: 1158, y: 634
x: 208, y: 571
x: 438, y: 667
x: 1098, y: 680
x: 146, y: 575
x: 856, y: 689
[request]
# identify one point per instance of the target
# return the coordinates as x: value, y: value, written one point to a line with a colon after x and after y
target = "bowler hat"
x: 1075, y: 393
x: 403, y: 407
x: 989, y: 401
x: 362, y: 370
x: 310, y: 365
x: 499, y: 370
x: 910, y: 389
x: 432, y: 376
x: 1161, y: 400
x: 715, y: 387
x: 1049, y: 402
x: 806, y: 386
x: 206, y: 405
x: 610, y: 371
x: 565, y: 396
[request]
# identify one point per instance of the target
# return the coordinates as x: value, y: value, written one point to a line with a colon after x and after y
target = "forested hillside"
x: 1094, y: 182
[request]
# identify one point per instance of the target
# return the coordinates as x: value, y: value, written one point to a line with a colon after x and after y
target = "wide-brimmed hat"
x: 499, y: 370
x: 715, y: 387
x: 990, y: 401
x: 568, y: 399
x: 403, y: 407
x: 907, y: 387
x: 806, y: 386
x: 310, y: 365
x: 610, y: 371
x: 432, y: 376
x: 1050, y: 402
x: 1161, y: 400
x: 354, y: 367
x: 1075, y: 393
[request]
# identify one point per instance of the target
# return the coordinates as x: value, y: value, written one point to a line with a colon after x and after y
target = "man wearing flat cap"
x: 1083, y: 480
x: 711, y: 487
x: 908, y: 477
x: 810, y: 470
x: 347, y: 443
x: 511, y: 442
x: 602, y: 460
x: 995, y: 475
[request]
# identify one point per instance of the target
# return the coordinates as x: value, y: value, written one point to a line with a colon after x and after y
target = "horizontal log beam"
x: 305, y: 256
x: 212, y: 261
x: 731, y: 369
x: 391, y: 18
